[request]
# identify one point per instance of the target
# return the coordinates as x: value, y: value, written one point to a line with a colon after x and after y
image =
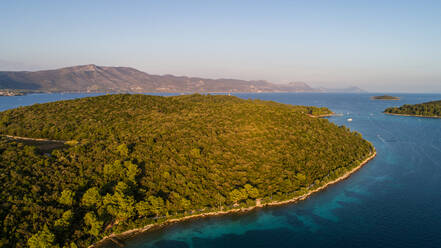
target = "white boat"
x: 349, y: 119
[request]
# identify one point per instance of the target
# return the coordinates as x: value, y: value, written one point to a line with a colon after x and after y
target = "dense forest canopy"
x: 132, y: 160
x: 427, y: 109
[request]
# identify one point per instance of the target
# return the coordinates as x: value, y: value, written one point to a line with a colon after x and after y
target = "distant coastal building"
x: 10, y: 93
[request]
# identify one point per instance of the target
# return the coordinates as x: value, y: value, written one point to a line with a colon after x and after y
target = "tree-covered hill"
x: 132, y: 160
x: 428, y: 109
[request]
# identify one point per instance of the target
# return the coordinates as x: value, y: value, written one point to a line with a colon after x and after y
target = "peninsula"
x: 136, y: 161
x: 385, y: 97
x: 427, y: 109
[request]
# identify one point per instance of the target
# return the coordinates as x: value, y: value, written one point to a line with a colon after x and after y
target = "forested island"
x: 427, y: 109
x: 127, y: 161
x: 385, y: 97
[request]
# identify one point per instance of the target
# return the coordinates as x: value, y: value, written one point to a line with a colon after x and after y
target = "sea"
x: 393, y: 201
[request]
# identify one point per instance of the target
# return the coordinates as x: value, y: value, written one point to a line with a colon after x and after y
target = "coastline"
x: 423, y: 116
x: 130, y: 233
x: 321, y: 116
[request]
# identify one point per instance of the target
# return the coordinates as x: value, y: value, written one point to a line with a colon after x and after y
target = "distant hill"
x: 92, y: 78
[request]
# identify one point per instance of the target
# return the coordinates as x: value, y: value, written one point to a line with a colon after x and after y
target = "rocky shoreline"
x: 115, y: 238
x: 423, y: 116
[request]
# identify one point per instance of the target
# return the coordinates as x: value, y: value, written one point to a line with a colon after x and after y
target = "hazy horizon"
x: 375, y: 45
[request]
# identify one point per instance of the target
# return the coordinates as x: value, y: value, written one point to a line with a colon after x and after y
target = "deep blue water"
x: 393, y: 201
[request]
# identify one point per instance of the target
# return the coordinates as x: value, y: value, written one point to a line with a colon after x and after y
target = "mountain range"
x: 92, y: 78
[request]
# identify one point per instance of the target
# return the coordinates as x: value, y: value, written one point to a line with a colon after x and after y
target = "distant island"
x: 428, y: 109
x: 132, y: 162
x: 93, y: 78
x: 385, y: 97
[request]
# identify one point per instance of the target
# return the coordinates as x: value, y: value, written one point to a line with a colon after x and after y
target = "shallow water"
x: 393, y: 201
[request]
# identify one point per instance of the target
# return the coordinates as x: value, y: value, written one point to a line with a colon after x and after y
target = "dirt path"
x: 32, y: 139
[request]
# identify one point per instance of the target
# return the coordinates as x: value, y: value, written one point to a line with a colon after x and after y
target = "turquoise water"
x: 394, y: 201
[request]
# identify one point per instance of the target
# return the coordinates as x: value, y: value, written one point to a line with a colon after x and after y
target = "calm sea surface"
x: 394, y: 201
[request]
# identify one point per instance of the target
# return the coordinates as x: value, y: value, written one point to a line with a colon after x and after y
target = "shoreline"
x: 321, y: 116
x: 408, y: 115
x: 133, y: 232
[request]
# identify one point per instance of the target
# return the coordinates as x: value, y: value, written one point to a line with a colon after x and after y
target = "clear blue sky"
x: 376, y: 45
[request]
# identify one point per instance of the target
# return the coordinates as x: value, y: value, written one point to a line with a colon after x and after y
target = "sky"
x: 380, y: 46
